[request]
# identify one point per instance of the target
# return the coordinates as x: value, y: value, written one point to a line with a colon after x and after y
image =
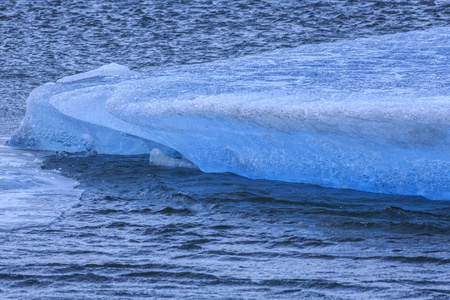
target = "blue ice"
x: 371, y: 114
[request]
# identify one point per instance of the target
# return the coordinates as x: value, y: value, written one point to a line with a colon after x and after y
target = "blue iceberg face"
x: 371, y: 114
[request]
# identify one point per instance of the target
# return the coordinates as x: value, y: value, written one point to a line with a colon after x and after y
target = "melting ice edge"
x: 371, y: 114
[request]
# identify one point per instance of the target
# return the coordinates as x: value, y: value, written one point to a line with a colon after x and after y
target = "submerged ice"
x: 370, y: 114
x: 31, y: 196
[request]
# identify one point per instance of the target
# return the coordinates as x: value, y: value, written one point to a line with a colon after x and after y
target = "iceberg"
x: 370, y: 114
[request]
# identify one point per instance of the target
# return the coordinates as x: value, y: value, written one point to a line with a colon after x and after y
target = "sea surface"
x: 79, y: 226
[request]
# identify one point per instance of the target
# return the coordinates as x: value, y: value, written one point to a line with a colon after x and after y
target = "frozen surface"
x: 370, y: 114
x: 159, y: 158
x: 112, y: 69
x: 31, y: 196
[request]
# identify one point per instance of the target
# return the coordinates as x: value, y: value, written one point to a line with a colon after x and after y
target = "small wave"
x: 167, y: 274
x: 175, y: 211
x: 400, y: 227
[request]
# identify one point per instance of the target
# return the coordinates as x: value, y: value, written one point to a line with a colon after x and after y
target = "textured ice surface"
x: 370, y: 114
x: 112, y: 69
x: 31, y: 196
x: 159, y: 158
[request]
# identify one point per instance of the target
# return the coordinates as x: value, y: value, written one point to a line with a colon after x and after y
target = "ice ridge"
x: 111, y: 69
x: 371, y: 114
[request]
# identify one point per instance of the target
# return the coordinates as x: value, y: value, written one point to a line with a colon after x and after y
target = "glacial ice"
x: 371, y: 114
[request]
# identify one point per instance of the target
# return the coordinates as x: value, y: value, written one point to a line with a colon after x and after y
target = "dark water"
x: 141, y: 231
x: 144, y: 232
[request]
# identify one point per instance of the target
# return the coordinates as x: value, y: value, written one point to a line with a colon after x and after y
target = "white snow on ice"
x: 111, y: 69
